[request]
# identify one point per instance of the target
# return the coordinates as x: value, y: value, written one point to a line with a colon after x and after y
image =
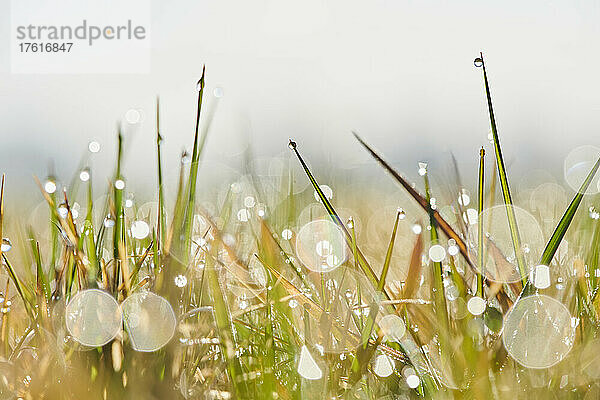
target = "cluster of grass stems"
x: 253, y: 351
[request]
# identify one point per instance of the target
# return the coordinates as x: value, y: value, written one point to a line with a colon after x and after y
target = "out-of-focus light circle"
x: 578, y: 164
x: 538, y: 331
x: 437, y: 253
x: 140, y: 230
x: 149, y: 320
x: 393, y: 327
x: 320, y: 246
x: 501, y: 263
x: 93, y: 317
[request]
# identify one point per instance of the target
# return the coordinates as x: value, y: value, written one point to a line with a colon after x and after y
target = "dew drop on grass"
x: 120, y: 184
x: 6, y: 245
x: 50, y: 186
x: 307, y: 366
x: 422, y: 169
x: 286, y: 234
x: 149, y: 320
x: 413, y: 381
x: 292, y: 145
x: 540, y: 276
x: 93, y: 317
x: 383, y: 366
x: 538, y: 331
x: 478, y: 62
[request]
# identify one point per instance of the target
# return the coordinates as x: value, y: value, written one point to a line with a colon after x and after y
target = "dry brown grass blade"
x: 414, y: 269
x: 443, y: 225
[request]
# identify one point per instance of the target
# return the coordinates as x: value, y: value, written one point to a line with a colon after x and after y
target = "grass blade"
x: 510, y: 213
x: 565, y: 221
x: 480, y: 196
x: 444, y: 226
x: 388, y: 255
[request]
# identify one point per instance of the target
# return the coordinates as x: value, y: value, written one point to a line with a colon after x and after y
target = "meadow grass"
x: 281, y: 292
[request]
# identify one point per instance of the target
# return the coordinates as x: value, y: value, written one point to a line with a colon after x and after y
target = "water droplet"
x: 422, y: 168
x: 6, y: 245
x: 417, y: 229
x: 140, y: 229
x: 307, y: 366
x: 120, y: 184
x: 109, y: 221
x: 401, y: 214
x: 84, y: 175
x: 94, y: 147
x: 286, y: 234
x: 50, y: 186
x: 292, y: 145
x: 540, y: 276
x: 63, y: 211
x: 180, y: 281
x: 478, y: 62
x: 413, y: 381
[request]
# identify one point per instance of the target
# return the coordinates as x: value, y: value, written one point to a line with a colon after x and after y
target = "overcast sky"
x: 399, y: 72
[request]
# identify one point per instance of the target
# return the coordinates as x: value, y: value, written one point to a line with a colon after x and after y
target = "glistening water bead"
x: 478, y: 62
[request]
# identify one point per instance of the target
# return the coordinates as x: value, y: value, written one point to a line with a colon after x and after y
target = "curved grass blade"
x: 510, y: 213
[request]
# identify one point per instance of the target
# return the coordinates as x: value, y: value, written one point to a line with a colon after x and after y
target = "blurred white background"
x: 399, y: 72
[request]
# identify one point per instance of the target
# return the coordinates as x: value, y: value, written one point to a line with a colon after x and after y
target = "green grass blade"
x: 193, y: 176
x: 480, y: 247
x: 565, y: 221
x: 388, y: 255
x: 510, y: 213
x: 162, y: 224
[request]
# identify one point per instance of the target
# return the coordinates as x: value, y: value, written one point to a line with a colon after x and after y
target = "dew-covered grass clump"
x: 271, y: 284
